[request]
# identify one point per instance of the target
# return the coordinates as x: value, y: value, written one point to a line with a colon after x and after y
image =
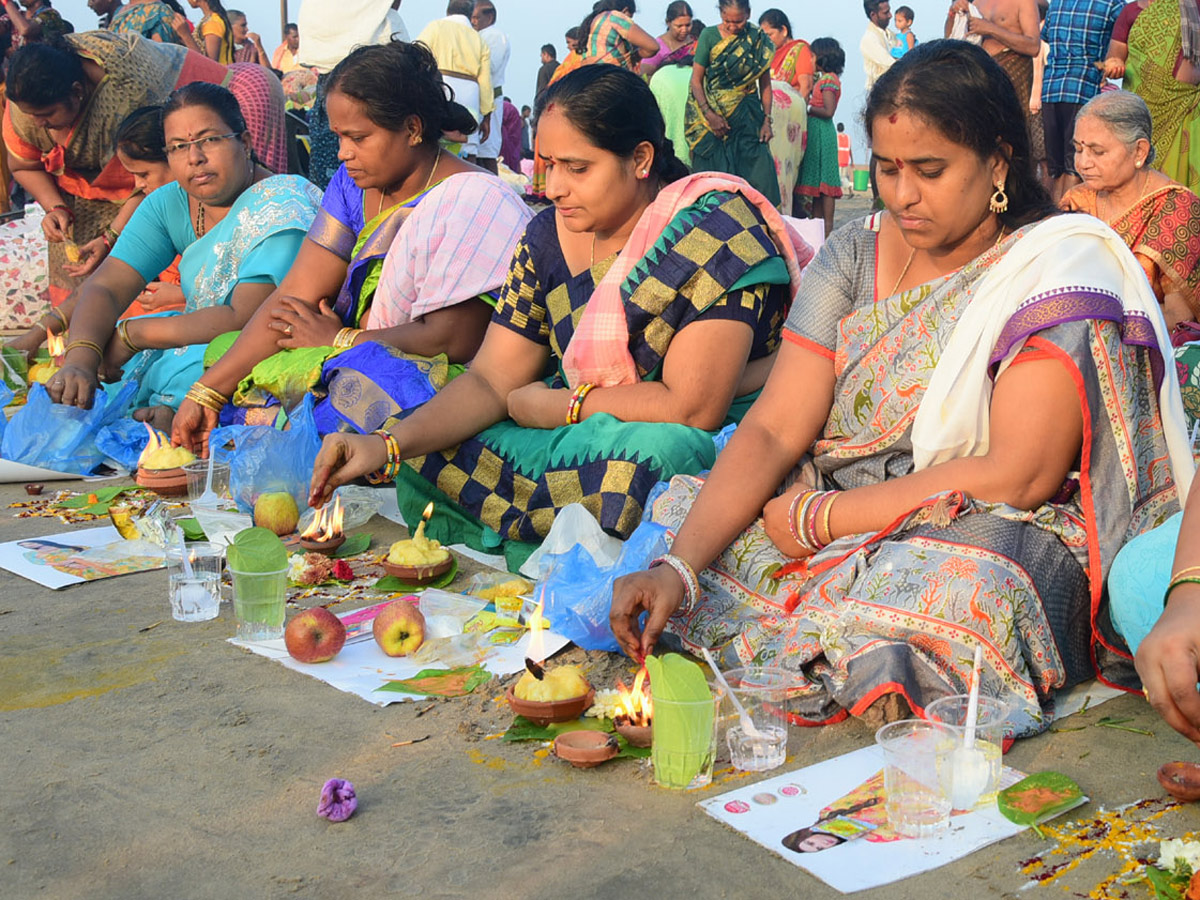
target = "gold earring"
x: 414, y: 140
x: 999, y: 202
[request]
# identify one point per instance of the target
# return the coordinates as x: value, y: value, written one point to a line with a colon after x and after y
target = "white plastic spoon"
x: 969, y: 764
x: 209, y: 497
x: 748, y: 728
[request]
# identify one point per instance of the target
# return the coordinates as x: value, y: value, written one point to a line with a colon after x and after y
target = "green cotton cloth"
x: 665, y: 449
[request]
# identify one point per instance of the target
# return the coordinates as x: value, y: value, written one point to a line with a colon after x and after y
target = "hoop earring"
x: 999, y: 202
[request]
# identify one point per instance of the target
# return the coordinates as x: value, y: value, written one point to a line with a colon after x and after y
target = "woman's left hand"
x: 91, y: 255
x: 776, y: 514
x: 765, y: 133
x: 538, y: 406
x: 299, y: 325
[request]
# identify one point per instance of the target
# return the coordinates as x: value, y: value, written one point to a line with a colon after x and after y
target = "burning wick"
x: 636, y: 706
x: 537, y: 646
x: 326, y: 524
x: 419, y: 534
x: 55, y: 346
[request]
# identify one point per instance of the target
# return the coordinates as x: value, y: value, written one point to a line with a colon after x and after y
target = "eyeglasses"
x: 204, y: 144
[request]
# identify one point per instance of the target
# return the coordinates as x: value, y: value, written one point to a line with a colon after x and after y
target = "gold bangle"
x: 833, y: 495
x: 346, y: 337
x: 1188, y: 571
x: 203, y: 395
x: 60, y: 315
x: 123, y: 334
x: 89, y: 345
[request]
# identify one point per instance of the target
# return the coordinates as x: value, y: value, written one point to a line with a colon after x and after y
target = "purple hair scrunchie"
x: 338, y: 802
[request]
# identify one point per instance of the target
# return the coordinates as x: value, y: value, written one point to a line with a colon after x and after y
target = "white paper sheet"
x: 362, y: 667
x: 770, y: 810
x: 74, y: 557
x: 19, y: 473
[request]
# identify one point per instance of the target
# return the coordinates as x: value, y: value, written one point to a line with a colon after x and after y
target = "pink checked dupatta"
x: 599, y: 350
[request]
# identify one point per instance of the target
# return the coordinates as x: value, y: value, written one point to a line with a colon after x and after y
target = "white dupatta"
x: 953, y: 418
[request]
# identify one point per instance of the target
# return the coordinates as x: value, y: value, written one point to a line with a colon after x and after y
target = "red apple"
x: 315, y: 635
x: 399, y: 628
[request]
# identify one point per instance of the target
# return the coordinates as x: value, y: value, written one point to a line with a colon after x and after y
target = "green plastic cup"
x: 258, y: 604
x: 862, y: 180
x: 684, y: 740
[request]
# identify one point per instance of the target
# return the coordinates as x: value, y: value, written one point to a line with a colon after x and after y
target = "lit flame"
x: 157, y: 441
x: 425, y: 516
x: 635, y: 705
x: 326, y: 524
x: 55, y: 345
x: 536, y: 649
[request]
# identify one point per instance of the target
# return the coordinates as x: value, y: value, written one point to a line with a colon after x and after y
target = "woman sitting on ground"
x: 238, y: 229
x: 1154, y: 215
x: 968, y: 419
x: 651, y: 346
x: 405, y: 257
x: 140, y: 150
x: 65, y: 103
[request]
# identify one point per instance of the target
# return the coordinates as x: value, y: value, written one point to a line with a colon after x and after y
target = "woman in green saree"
x: 395, y: 189
x: 728, y: 118
x: 705, y: 271
x: 1167, y: 77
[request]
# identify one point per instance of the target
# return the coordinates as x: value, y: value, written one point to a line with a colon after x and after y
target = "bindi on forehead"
x: 894, y: 118
x: 899, y: 164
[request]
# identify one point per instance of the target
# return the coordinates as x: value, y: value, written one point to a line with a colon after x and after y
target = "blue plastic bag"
x: 6, y: 396
x: 63, y: 438
x: 265, y: 459
x: 123, y: 441
x: 579, y: 593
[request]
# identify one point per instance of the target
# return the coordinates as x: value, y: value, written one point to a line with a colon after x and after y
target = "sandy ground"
x: 168, y: 763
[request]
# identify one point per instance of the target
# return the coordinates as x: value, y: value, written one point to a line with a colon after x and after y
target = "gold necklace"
x: 913, y: 254
x: 592, y: 261
x: 199, y: 219
x: 1104, y: 203
x: 428, y: 182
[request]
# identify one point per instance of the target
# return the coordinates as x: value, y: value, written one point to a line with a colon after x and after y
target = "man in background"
x: 284, y: 58
x: 466, y: 65
x: 546, y: 72
x: 105, y: 9
x: 876, y: 43
x: 332, y: 28
x: 484, y: 20
x: 1078, y: 32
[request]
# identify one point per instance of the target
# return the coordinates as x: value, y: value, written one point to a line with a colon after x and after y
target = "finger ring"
x: 287, y: 329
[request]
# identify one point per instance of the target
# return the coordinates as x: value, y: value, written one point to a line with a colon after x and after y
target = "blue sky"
x: 531, y: 23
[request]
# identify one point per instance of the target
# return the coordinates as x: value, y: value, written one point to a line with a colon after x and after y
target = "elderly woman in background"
x: 1154, y: 215
x: 792, y: 72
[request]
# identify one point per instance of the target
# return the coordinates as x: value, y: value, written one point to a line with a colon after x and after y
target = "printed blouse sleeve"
x: 826, y: 297
x: 338, y: 221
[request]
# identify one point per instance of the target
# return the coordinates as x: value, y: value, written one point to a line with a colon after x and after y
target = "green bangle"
x: 1176, y: 582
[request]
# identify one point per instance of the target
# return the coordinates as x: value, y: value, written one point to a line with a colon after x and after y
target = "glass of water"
x: 763, y: 692
x: 194, y: 589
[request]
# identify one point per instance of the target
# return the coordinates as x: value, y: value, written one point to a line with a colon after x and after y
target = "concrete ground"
x: 163, y: 762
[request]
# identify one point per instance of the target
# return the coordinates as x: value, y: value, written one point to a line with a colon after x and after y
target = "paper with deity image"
x: 92, y: 554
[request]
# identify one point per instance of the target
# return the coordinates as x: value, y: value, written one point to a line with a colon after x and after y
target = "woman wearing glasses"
x: 238, y: 229
x: 68, y: 98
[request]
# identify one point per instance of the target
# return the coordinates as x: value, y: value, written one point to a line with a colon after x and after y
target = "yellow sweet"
x: 40, y: 373
x: 560, y: 683
x: 514, y: 587
x: 418, y: 551
x: 71, y: 251
x: 167, y: 458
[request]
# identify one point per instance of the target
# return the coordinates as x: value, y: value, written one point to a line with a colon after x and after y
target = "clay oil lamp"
x: 325, y: 533
x: 636, y: 711
x: 542, y: 695
x: 41, y: 372
x: 1181, y: 780
x: 418, y: 560
x: 586, y: 749
x: 160, y: 467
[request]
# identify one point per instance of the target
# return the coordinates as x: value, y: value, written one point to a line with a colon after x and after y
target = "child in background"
x: 819, y: 179
x: 905, y: 39
x: 845, y: 160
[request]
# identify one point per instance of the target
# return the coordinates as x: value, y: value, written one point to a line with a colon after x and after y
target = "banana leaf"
x: 441, y: 682
x: 683, y: 719
x: 354, y: 545
x: 395, y: 585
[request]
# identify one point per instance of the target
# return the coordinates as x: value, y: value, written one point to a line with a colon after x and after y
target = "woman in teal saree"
x: 238, y: 229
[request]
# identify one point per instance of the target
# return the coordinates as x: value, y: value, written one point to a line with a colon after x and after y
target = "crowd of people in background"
x: 948, y: 415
